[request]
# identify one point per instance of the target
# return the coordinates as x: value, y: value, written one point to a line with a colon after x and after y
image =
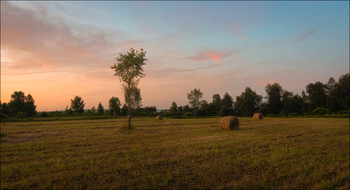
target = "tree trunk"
x: 129, y: 119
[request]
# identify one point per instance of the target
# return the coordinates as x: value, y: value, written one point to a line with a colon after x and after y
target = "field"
x: 283, y: 153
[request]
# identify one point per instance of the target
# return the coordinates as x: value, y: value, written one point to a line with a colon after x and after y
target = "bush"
x: 4, y: 116
x: 188, y: 114
x: 20, y: 115
x: 271, y: 115
x: 294, y: 114
x: 43, y: 114
x: 321, y: 111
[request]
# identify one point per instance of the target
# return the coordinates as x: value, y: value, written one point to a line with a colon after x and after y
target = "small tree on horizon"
x: 114, y: 106
x: 77, y: 104
x: 173, y: 108
x: 129, y: 70
x: 194, y: 98
x: 100, y: 109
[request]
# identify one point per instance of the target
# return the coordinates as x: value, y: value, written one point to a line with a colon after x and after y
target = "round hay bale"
x: 159, y: 117
x: 258, y: 116
x: 229, y: 123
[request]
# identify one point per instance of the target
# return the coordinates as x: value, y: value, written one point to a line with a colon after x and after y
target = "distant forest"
x: 318, y: 99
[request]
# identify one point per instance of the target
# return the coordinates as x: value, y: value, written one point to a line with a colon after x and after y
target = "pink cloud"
x: 308, y: 34
x: 33, y: 41
x: 212, y: 55
x: 237, y: 30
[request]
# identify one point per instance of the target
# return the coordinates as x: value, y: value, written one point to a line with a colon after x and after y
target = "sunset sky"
x: 57, y: 50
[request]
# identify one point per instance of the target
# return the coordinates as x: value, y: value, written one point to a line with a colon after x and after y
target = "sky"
x: 58, y: 50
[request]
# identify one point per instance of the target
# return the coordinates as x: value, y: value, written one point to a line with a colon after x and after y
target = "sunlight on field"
x: 176, y: 153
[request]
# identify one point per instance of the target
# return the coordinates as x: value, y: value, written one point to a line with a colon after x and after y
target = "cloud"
x: 269, y: 44
x: 212, y: 55
x: 307, y: 34
x: 34, y: 41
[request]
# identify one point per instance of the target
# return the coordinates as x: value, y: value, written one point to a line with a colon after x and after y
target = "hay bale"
x: 159, y: 117
x: 229, y: 123
x: 258, y: 116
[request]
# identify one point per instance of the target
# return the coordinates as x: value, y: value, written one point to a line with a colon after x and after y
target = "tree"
x: 194, y: 98
x: 93, y: 110
x: 186, y: 108
x: 68, y: 111
x: 204, y: 109
x: 77, y: 104
x: 216, y: 103
x: 129, y: 70
x: 16, y: 104
x: 247, y: 103
x: 124, y: 110
x: 180, y: 110
x: 274, y: 93
x: 316, y: 95
x: 334, y: 100
x: 4, y: 110
x: 344, y: 85
x: 100, y: 109
x: 291, y: 103
x: 226, y: 106
x: 173, y: 108
x: 114, y: 106
x: 21, y: 105
x: 29, y: 107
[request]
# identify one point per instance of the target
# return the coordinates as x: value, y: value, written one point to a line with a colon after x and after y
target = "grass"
x: 283, y: 153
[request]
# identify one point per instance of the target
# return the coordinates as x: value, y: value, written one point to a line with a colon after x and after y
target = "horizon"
x: 58, y: 50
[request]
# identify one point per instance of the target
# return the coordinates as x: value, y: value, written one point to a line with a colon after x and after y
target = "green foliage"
x: 187, y: 114
x: 114, y: 106
x: 317, y: 96
x: 226, y: 105
x: 93, y: 110
x: 77, y: 105
x: 124, y: 110
x: 100, y: 109
x: 20, y: 105
x: 129, y: 70
x: 173, y: 109
x: 216, y: 104
x: 274, y: 93
x: 291, y: 103
x: 321, y: 111
x: 204, y: 109
x: 194, y: 98
x: 146, y: 111
x: 247, y: 103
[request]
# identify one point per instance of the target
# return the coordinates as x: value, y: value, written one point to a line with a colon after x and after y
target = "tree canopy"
x: 129, y: 70
x: 77, y: 104
x: 194, y: 98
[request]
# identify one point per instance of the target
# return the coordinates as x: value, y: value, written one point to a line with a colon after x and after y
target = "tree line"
x: 317, y: 99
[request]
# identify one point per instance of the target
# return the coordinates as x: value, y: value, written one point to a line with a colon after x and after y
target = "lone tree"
x: 129, y: 71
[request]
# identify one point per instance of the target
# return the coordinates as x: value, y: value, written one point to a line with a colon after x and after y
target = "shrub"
x: 271, y: 115
x: 20, y: 115
x: 44, y: 114
x: 321, y: 111
x: 188, y: 114
x: 294, y: 114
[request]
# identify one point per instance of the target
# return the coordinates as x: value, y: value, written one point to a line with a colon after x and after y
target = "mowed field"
x: 283, y: 153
